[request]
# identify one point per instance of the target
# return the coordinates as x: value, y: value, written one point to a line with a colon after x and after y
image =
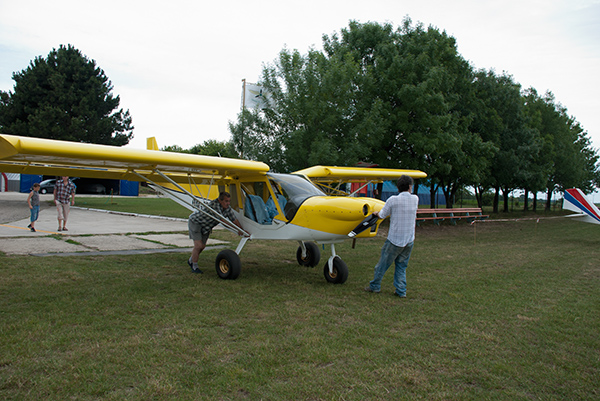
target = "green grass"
x: 500, y: 311
x: 152, y: 206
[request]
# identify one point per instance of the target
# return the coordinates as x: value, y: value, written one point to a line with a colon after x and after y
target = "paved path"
x: 89, y: 231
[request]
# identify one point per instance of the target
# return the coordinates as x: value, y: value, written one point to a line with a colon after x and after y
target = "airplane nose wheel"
x: 339, y: 273
x: 228, y: 265
x: 313, y: 255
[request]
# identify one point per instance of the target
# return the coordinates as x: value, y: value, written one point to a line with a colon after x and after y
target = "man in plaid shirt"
x: 64, y: 198
x: 200, y: 225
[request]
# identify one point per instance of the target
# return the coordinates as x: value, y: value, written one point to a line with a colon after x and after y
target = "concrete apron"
x: 95, y: 232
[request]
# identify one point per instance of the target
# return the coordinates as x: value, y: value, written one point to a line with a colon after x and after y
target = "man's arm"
x: 237, y: 223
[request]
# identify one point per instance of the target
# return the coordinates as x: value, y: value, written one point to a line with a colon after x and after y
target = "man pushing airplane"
x: 200, y: 225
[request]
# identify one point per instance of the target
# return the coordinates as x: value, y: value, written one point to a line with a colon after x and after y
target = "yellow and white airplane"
x: 270, y: 206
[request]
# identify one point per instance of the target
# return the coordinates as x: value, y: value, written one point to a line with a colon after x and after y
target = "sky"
x: 178, y: 66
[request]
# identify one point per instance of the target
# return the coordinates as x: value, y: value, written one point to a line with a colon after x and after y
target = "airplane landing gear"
x: 311, y: 252
x: 228, y: 265
x: 335, y: 270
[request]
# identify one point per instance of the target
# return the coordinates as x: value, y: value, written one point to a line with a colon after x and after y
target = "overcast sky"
x: 178, y: 65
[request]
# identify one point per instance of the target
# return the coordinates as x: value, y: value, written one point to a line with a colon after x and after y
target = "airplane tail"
x: 151, y: 143
x: 576, y: 201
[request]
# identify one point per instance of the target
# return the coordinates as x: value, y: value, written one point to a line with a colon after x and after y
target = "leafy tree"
x: 210, y: 147
x: 380, y: 95
x: 404, y: 98
x: 573, y: 159
x: 421, y: 85
x: 253, y: 139
x: 567, y: 158
x: 501, y: 119
x: 174, y: 149
x: 540, y: 116
x: 65, y: 96
x: 312, y: 118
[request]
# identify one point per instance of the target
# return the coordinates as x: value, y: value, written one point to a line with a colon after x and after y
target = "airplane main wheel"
x: 313, y: 255
x: 340, y: 271
x: 228, y: 265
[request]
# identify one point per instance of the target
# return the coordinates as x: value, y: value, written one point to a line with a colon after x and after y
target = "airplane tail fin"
x: 151, y: 143
x: 576, y: 201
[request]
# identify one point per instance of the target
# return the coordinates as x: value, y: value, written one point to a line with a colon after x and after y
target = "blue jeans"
x: 34, y: 212
x: 399, y: 255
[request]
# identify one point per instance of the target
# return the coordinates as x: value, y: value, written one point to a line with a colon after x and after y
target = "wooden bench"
x: 453, y: 215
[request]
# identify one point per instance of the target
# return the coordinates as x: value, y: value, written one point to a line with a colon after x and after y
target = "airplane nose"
x: 366, y: 209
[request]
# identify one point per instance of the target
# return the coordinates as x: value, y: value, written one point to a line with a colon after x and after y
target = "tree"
x: 376, y: 94
x: 403, y: 98
x: 540, y: 115
x: 67, y: 97
x: 210, y: 147
x: 502, y: 120
x: 420, y: 85
x: 566, y: 158
x: 312, y: 117
x: 573, y: 160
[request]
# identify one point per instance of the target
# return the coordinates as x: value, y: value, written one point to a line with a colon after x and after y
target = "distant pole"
x: 243, y: 93
x: 243, y: 120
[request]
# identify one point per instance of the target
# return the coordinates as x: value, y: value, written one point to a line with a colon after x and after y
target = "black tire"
x: 228, y: 265
x: 340, y: 271
x: 313, y: 255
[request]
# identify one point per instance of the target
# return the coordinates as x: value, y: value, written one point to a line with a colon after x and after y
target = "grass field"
x: 499, y: 311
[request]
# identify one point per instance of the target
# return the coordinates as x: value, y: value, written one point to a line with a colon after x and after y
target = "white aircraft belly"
x: 286, y: 231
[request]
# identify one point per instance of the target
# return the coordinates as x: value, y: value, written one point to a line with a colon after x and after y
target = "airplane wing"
x: 330, y: 174
x: 576, y: 201
x: 327, y: 176
x: 28, y: 155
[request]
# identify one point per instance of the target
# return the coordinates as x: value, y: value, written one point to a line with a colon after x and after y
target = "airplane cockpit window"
x: 294, y: 189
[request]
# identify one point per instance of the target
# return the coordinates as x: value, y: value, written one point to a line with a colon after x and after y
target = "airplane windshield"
x: 294, y: 189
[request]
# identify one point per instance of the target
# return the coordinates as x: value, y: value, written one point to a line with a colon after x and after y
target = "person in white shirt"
x: 402, y: 209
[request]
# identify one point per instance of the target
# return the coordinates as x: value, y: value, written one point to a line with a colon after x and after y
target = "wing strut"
x: 359, y: 189
x: 192, y: 202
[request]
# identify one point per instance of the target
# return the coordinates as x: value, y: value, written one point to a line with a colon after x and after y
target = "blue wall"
x: 126, y: 188
x: 27, y: 181
x: 129, y: 188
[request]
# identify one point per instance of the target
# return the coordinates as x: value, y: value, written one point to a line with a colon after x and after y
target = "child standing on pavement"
x: 33, y: 200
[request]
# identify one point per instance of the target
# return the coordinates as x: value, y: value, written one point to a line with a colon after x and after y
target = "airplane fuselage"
x: 322, y: 219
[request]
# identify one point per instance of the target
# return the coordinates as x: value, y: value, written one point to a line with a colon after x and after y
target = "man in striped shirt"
x: 200, y: 225
x: 402, y: 209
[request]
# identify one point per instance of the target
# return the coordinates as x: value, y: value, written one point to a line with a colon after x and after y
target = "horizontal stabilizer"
x: 576, y: 201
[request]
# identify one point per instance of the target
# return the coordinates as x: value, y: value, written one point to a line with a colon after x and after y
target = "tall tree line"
x: 405, y: 98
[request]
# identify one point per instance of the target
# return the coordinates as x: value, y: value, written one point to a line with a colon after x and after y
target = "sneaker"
x: 65, y: 229
x: 192, y: 267
x: 29, y: 226
x: 59, y: 229
x: 369, y: 289
x: 32, y: 229
x: 399, y: 296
